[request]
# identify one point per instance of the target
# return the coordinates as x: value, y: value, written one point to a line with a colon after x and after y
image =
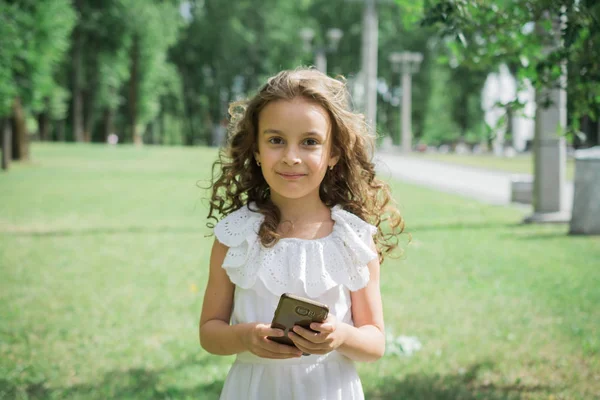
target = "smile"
x: 291, y: 177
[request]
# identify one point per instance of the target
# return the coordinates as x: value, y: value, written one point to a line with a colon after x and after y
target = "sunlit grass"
x: 103, y: 258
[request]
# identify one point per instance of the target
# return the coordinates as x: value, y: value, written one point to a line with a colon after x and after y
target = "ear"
x: 256, y: 156
x: 333, y: 161
x: 334, y: 155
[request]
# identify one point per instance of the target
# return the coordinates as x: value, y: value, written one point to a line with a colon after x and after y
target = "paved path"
x: 484, y: 185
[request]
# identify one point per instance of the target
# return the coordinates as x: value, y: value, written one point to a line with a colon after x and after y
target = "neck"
x: 302, y: 209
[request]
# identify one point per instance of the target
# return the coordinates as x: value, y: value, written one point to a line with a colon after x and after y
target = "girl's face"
x: 294, y: 147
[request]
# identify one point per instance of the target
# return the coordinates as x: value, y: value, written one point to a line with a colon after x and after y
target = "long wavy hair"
x: 237, y: 180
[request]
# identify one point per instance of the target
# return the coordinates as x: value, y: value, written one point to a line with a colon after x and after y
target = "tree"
x: 225, y: 53
x: 154, y: 29
x: 485, y: 34
x: 34, y: 38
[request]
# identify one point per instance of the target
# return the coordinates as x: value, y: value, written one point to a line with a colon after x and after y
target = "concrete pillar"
x: 321, y: 60
x: 550, y: 158
x: 369, y: 60
x: 408, y: 64
x: 551, y: 153
x: 549, y: 147
x: 406, y: 111
x: 586, y: 200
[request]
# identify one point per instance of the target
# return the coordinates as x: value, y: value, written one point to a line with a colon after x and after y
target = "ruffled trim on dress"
x: 340, y: 258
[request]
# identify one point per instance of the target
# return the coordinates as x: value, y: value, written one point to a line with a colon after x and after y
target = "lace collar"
x: 339, y: 258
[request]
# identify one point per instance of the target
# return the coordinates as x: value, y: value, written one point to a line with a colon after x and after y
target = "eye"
x: 311, y: 142
x: 275, y: 140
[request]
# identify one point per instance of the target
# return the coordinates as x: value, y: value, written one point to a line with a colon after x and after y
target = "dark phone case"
x: 294, y: 310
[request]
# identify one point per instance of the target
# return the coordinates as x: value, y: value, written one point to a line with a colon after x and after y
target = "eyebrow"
x: 278, y: 132
x: 270, y: 131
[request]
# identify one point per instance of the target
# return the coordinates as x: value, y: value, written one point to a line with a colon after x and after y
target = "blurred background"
x: 164, y: 72
x: 111, y: 114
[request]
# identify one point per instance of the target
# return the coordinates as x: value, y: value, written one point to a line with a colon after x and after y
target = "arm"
x: 217, y: 336
x: 365, y: 341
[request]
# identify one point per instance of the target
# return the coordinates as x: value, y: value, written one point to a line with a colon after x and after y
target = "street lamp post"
x: 334, y: 35
x: 408, y: 64
x: 369, y: 59
x: 370, y: 37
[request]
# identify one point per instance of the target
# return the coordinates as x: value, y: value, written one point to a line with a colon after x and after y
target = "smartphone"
x: 294, y: 310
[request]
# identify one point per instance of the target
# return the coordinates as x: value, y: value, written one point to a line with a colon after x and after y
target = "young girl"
x: 303, y: 211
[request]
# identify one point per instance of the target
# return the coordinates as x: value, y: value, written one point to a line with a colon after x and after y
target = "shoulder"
x: 353, y: 222
x: 234, y: 228
x: 356, y: 236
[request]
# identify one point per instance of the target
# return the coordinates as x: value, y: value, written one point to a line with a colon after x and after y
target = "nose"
x: 291, y: 156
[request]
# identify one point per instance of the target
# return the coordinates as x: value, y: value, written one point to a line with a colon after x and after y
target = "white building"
x: 500, y: 88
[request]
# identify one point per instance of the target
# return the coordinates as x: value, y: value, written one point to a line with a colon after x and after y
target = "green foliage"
x: 478, y: 133
x: 10, y: 23
x: 226, y: 52
x: 191, y: 67
x: 106, y: 31
x: 485, y: 34
x: 113, y: 72
x: 34, y: 36
x: 440, y: 127
x: 155, y: 24
x: 58, y: 102
x: 189, y: 70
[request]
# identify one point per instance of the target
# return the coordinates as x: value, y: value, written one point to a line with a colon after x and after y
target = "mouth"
x: 290, y: 176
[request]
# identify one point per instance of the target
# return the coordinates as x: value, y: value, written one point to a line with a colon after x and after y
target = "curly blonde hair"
x: 238, y: 181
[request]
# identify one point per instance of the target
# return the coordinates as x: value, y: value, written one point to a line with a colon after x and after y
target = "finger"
x: 279, y: 356
x: 266, y: 330
x: 312, y: 349
x: 279, y: 348
x: 323, y: 328
x: 305, y: 350
x: 314, y: 337
x: 303, y: 344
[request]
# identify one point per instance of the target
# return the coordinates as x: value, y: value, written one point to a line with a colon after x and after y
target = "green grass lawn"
x: 520, y: 164
x: 104, y: 255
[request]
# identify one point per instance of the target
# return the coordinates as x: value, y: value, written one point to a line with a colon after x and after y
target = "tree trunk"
x: 151, y: 132
x: 509, y: 137
x: 584, y: 126
x: 107, y: 123
x: 78, y: 134
x: 133, y: 91
x: 60, y: 130
x: 6, y: 145
x: 44, y: 122
x: 593, y: 135
x: 88, y: 114
x: 591, y: 130
x: 162, y: 124
x: 596, y: 140
x: 188, y: 99
x: 20, y: 143
x: 189, y: 138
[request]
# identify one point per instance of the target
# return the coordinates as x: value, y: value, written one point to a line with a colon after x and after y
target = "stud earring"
x: 258, y: 163
x: 331, y: 167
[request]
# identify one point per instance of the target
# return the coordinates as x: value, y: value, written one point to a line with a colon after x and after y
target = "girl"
x: 303, y: 211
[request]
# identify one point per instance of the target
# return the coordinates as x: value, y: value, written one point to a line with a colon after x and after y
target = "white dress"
x: 325, y: 270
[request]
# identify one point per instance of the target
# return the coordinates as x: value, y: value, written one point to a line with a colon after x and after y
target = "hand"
x: 255, y: 341
x: 329, y: 336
